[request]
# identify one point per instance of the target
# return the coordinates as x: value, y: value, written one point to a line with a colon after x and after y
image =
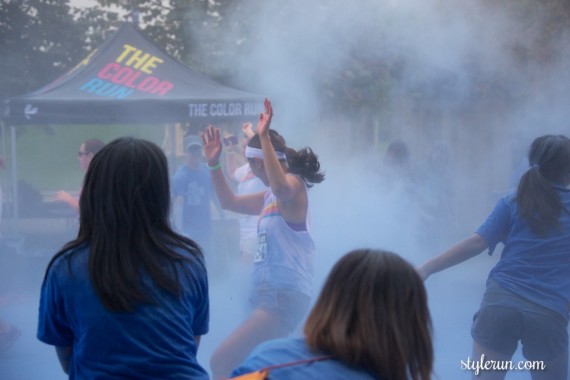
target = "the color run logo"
x: 131, y: 71
x: 224, y: 109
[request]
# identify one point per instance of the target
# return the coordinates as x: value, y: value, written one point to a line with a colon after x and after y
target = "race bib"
x: 261, y: 253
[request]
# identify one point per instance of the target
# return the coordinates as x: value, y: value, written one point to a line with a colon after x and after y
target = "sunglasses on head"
x: 230, y: 140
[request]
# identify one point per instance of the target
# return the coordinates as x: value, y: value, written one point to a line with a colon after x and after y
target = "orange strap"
x: 263, y: 373
x: 257, y: 375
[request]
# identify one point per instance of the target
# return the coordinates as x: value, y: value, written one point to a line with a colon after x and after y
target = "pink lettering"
x: 162, y: 88
x: 131, y: 78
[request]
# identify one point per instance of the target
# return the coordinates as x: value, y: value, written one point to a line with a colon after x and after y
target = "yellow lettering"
x: 127, y: 49
x: 151, y: 64
x: 137, y: 59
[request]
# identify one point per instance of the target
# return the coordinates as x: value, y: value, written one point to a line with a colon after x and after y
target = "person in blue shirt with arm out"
x: 528, y: 290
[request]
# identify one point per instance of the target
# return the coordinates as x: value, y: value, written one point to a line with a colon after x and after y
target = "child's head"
x: 397, y: 154
x: 277, y: 141
x: 372, y: 312
x: 126, y: 183
x: 87, y: 150
x: 550, y: 155
x: 304, y: 163
x: 537, y: 198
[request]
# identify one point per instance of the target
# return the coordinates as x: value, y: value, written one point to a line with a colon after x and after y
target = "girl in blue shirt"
x: 128, y: 298
x: 370, y: 321
x: 528, y: 290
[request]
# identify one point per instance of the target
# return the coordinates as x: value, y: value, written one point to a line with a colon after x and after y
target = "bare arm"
x: 64, y: 356
x: 251, y: 204
x: 464, y: 250
x: 63, y: 196
x: 283, y: 187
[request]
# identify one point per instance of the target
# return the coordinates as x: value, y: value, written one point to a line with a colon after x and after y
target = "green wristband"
x: 215, y: 167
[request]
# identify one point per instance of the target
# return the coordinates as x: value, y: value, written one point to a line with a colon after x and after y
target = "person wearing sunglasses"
x: 87, y: 150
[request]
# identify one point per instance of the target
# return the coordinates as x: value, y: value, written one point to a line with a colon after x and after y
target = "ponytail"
x: 537, y: 199
x: 538, y: 202
x: 305, y: 163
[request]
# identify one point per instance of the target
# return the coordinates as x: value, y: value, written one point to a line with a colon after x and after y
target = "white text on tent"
x: 222, y: 109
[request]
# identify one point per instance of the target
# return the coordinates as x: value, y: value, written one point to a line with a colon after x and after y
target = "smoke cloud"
x: 474, y: 80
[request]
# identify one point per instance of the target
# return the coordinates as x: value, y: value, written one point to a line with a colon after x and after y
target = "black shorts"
x: 290, y: 305
x: 543, y: 334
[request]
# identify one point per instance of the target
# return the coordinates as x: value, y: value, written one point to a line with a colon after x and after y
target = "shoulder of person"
x: 78, y: 255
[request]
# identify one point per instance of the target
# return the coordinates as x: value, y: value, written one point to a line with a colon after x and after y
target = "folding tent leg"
x: 16, y: 210
x: 14, y: 240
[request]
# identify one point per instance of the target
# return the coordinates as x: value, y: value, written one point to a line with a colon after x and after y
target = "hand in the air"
x: 265, y: 119
x: 212, y: 144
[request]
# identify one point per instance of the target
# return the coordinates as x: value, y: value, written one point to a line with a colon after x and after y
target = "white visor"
x: 258, y: 153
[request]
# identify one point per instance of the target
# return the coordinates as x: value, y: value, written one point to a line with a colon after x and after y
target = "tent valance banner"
x: 130, y: 80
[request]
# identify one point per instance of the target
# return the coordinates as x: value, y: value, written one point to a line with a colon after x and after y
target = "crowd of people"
x: 128, y: 297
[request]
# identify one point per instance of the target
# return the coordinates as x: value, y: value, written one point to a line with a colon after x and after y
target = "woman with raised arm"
x: 528, y: 290
x: 283, y: 263
x: 128, y: 298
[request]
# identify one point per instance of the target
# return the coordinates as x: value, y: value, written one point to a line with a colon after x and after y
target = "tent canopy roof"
x: 129, y: 80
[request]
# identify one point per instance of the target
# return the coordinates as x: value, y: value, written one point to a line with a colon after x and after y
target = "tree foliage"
x: 42, y: 39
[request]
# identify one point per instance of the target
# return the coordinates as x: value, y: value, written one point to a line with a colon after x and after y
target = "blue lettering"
x: 103, y: 88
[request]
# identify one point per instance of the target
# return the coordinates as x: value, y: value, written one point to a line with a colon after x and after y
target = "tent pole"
x: 16, y: 209
x: 4, y: 172
x: 3, y: 151
x: 173, y: 150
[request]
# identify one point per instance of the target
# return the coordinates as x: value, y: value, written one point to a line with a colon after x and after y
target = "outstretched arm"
x: 63, y: 196
x: 464, y: 250
x: 251, y: 204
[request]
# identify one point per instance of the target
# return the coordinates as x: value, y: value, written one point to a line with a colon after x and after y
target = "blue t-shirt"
x: 153, y: 341
x: 195, y: 187
x: 287, y: 350
x: 532, y: 267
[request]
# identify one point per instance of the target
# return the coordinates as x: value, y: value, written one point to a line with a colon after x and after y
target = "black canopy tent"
x: 128, y: 80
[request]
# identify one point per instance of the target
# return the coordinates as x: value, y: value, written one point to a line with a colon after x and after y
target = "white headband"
x: 258, y: 153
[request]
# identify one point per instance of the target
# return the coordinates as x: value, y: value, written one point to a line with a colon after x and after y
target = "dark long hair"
x: 537, y: 198
x: 124, y: 220
x: 372, y: 313
x: 304, y: 162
